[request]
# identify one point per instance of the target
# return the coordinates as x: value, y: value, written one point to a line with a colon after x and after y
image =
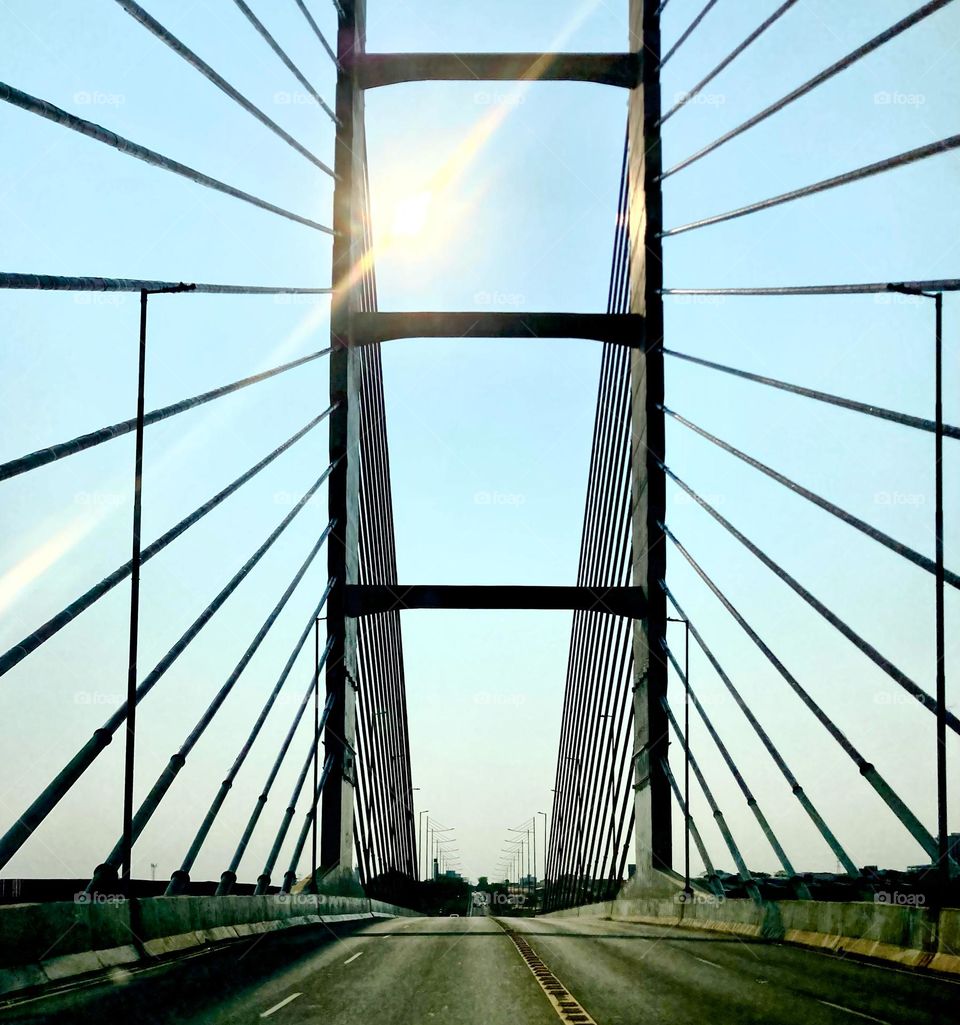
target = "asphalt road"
x: 468, y: 971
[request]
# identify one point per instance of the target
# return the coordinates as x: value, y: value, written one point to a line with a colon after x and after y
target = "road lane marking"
x: 355, y: 956
x: 859, y: 1014
x: 703, y: 960
x: 568, y: 1008
x: 283, y: 1003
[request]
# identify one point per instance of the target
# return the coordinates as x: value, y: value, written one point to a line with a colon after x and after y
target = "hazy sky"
x: 489, y: 439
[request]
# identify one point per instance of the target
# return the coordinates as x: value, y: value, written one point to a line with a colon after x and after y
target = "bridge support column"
x: 652, y: 788
x: 337, y: 873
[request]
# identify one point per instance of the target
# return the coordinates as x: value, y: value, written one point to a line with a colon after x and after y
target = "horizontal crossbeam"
x: 379, y: 69
x: 616, y: 328
x: 370, y: 599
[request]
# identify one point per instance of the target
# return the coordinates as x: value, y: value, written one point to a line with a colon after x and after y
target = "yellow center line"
x: 568, y: 1008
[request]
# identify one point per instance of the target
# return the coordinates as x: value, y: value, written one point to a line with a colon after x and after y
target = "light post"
x: 442, y: 856
x: 431, y: 844
x: 943, y: 852
x: 525, y: 831
x: 420, y: 858
x: 441, y: 851
x: 516, y: 854
x: 544, y: 814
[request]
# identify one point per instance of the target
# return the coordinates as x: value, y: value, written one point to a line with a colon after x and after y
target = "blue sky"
x: 528, y: 225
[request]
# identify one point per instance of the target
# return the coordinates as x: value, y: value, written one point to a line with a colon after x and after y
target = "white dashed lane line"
x: 283, y: 1003
x: 858, y: 1014
x: 355, y: 956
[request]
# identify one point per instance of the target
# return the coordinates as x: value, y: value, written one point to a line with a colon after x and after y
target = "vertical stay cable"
x: 841, y: 65
x: 687, y: 32
x: 711, y: 872
x: 745, y: 877
x: 585, y: 817
x: 729, y: 59
x: 811, y: 496
x: 178, y: 759
x: 867, y: 769
x: 795, y: 787
x: 751, y: 800
x: 834, y: 620
x: 857, y: 174
x: 61, y: 450
x: 152, y: 25
x: 290, y: 876
x: 229, y: 877
x: 288, y: 63
x: 918, y: 422
x: 388, y: 842
x: 181, y: 878
x: 42, y: 108
x: 263, y: 880
x: 55, y: 791
x: 316, y: 29
x: 30, y: 643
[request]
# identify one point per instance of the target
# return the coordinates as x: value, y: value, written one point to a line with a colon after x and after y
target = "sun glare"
x: 410, y: 215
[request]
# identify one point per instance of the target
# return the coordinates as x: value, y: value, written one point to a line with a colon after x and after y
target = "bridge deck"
x: 468, y: 971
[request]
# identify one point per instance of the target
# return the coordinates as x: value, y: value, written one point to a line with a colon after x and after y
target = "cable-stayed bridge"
x: 627, y: 862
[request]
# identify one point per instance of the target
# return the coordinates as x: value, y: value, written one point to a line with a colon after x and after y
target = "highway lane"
x: 442, y: 971
x: 631, y: 974
x: 467, y: 971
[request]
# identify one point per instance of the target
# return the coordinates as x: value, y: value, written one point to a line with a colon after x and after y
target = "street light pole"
x: 433, y: 844
x: 943, y: 850
x: 420, y: 858
x: 533, y: 820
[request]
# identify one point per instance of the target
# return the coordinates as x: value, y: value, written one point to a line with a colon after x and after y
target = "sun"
x: 411, y: 214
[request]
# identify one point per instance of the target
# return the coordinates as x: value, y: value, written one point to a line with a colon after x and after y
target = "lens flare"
x: 411, y: 215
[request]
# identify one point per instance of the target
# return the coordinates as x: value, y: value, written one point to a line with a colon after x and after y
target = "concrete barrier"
x: 947, y: 956
x: 44, y: 943
x: 915, y: 937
